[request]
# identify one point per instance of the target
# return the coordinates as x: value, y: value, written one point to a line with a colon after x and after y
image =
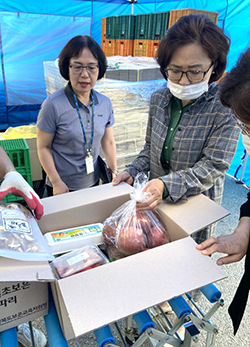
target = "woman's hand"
x: 60, y: 188
x: 156, y: 189
x: 235, y: 245
x: 113, y: 175
x: 123, y: 177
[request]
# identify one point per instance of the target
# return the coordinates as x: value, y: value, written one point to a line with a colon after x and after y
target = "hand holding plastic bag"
x: 14, y: 183
x: 128, y: 231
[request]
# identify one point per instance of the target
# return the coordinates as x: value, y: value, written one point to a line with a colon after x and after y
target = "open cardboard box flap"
x: 92, y: 299
x: 190, y: 215
x: 12, y: 270
x: 113, y: 291
x: 82, y: 207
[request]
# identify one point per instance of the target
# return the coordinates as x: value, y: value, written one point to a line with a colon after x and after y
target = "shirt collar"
x: 179, y: 103
x: 69, y: 94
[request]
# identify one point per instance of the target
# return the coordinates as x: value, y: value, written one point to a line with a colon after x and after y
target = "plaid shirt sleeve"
x: 203, y: 147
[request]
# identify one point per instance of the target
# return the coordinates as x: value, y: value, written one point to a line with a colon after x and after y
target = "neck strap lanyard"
x: 80, y: 118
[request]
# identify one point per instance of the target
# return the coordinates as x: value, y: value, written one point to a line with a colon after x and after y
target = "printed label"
x: 13, y: 221
x: 76, y: 233
x: 77, y: 258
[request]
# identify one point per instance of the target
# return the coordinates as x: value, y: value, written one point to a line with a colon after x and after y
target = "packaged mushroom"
x: 20, y: 236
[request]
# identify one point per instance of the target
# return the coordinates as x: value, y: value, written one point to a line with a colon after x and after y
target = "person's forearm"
x: 5, y: 164
x: 244, y: 227
x: 47, y: 162
x: 235, y: 245
x: 110, y: 156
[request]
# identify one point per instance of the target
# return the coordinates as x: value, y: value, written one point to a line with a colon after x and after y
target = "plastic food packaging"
x: 82, y: 259
x: 128, y: 231
x: 61, y: 241
x: 20, y: 236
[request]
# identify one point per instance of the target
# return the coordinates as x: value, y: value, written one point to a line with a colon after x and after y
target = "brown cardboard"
x: 192, y: 215
x: 113, y: 291
x: 23, y: 292
x: 15, y: 270
x: 92, y: 299
x: 21, y: 302
x: 36, y: 168
x: 82, y: 207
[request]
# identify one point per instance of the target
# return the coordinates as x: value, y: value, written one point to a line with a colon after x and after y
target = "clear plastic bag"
x: 128, y: 231
x: 20, y: 236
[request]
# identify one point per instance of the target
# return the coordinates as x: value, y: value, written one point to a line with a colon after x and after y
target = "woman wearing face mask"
x: 191, y: 138
x: 235, y: 92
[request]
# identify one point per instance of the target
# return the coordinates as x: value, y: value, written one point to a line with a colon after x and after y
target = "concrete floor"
x: 234, y: 195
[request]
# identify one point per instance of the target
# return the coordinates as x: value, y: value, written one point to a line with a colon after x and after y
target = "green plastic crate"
x: 126, y: 27
x: 142, y: 26
x: 18, y: 152
x: 158, y: 25
x: 111, y: 27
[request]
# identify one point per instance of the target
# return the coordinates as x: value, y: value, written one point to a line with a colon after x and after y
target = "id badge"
x: 89, y: 164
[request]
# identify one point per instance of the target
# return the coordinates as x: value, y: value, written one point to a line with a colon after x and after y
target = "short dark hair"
x: 235, y: 88
x: 74, y: 48
x: 195, y: 28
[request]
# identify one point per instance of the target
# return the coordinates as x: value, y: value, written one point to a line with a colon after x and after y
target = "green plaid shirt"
x: 203, y: 147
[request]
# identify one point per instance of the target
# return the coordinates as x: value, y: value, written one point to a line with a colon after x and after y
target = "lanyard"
x: 80, y: 118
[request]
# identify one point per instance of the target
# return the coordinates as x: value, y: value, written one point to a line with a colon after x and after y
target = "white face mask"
x: 246, y: 143
x: 188, y: 92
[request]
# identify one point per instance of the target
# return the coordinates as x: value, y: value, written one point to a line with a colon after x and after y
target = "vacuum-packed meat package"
x: 79, y: 260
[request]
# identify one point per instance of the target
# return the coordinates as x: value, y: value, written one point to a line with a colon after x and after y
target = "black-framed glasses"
x: 242, y: 126
x: 194, y: 76
x: 78, y: 69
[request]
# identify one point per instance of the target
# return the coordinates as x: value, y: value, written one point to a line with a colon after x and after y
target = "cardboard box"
x: 36, y: 168
x: 95, y: 298
x: 23, y: 292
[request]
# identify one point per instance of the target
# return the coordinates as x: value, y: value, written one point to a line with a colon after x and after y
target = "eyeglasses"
x: 78, y: 69
x: 244, y: 128
x: 192, y: 75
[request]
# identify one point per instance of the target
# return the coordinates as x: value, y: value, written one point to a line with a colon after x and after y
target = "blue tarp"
x: 32, y: 32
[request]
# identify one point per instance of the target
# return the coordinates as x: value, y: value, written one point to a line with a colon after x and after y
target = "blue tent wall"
x: 27, y: 40
x: 33, y: 32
